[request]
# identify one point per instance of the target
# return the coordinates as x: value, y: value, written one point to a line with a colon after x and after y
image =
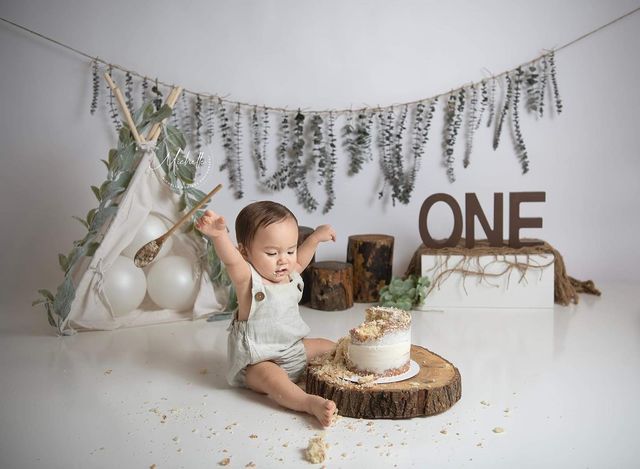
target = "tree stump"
x: 436, y: 388
x: 372, y: 258
x: 303, y: 233
x: 331, y: 285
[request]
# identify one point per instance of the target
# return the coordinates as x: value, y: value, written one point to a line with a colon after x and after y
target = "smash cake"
x: 381, y: 345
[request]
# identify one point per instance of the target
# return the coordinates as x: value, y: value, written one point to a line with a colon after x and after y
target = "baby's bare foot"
x: 323, y: 409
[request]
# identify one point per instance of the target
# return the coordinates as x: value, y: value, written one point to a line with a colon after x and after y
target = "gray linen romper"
x: 273, y: 331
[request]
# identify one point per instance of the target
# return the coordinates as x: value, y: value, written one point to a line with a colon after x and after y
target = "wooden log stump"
x: 331, y: 285
x: 436, y: 388
x: 303, y: 233
x: 372, y: 258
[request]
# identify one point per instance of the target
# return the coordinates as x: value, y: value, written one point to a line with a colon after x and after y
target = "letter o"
x: 456, y: 233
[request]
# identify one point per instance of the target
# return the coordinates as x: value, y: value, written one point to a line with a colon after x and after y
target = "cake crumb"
x: 250, y: 465
x: 204, y: 371
x: 108, y: 372
x: 153, y: 466
x: 485, y: 403
x: 317, y: 450
x: 224, y: 462
x: 498, y: 430
x: 253, y: 436
x: 444, y: 431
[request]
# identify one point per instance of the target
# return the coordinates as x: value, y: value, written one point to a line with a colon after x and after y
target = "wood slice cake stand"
x: 433, y: 390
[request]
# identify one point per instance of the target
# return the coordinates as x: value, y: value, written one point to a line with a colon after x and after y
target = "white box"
x: 509, y: 281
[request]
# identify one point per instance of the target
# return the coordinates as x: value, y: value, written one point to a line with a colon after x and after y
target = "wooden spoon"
x: 147, y: 253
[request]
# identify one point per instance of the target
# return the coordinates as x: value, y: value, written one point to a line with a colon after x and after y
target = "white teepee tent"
x: 86, y: 299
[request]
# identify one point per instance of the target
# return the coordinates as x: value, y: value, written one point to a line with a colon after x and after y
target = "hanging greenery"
x: 305, y: 138
x: 96, y: 87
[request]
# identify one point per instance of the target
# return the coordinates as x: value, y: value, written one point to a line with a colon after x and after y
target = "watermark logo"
x: 182, y: 169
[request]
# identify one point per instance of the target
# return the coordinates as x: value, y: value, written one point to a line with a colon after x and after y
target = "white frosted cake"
x: 381, y: 345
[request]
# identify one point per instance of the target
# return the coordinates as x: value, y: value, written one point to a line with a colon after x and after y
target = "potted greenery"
x: 405, y: 293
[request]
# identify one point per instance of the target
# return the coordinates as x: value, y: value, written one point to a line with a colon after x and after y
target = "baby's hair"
x: 259, y: 215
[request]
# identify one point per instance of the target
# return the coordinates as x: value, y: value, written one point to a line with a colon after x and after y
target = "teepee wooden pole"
x: 125, y: 109
x: 155, y: 130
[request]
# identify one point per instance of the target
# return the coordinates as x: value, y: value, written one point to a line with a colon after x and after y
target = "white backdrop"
x: 321, y: 55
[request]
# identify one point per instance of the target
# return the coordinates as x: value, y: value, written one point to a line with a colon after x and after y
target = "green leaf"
x: 84, y: 222
x: 102, y: 216
x: 174, y: 137
x: 64, y: 296
x: 91, y: 215
x: 91, y: 248
x: 186, y: 172
x: 162, y: 113
x: 96, y: 192
x: 182, y: 203
x: 47, y: 294
x: 63, y: 261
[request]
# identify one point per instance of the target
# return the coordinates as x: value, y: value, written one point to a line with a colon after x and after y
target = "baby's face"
x: 273, y: 252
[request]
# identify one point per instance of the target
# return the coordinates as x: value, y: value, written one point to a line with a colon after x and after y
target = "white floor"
x: 564, y: 385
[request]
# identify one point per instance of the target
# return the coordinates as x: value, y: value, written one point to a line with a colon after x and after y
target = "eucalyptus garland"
x: 305, y: 144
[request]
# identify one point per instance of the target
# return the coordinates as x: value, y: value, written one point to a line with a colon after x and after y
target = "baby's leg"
x: 269, y: 378
x: 316, y: 347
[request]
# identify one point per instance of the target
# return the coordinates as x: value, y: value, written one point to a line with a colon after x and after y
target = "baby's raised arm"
x: 308, y: 248
x: 214, y: 226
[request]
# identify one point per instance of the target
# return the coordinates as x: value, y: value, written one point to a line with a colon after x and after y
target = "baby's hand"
x: 325, y: 233
x: 211, y: 224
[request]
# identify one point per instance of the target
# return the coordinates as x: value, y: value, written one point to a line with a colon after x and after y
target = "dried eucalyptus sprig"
x: 329, y: 164
x: 298, y: 174
x: 145, y: 96
x: 128, y: 90
x: 420, y: 136
x: 472, y: 116
x: 503, y: 113
x: 113, y: 111
x: 228, y: 143
x: 484, y: 101
x: 554, y: 82
x: 531, y: 87
x: 357, y: 140
x: 186, y: 118
x: 198, y: 118
x: 210, y: 120
x: 316, y: 129
x: 257, y: 148
x: 397, y: 159
x: 521, y: 149
x: 96, y: 87
x: 238, y: 158
x: 542, y: 85
x: 385, y: 142
x: 492, y: 102
x: 278, y: 180
x: 157, y: 100
x: 454, y: 113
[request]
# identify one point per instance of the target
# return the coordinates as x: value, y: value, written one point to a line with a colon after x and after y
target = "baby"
x: 267, y: 345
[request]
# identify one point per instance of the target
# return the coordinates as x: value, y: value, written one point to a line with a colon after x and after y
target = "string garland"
x: 334, y: 112
x: 305, y: 140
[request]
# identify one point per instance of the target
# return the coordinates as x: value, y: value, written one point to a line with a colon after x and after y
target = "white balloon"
x: 172, y: 284
x: 152, y: 228
x: 125, y: 286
